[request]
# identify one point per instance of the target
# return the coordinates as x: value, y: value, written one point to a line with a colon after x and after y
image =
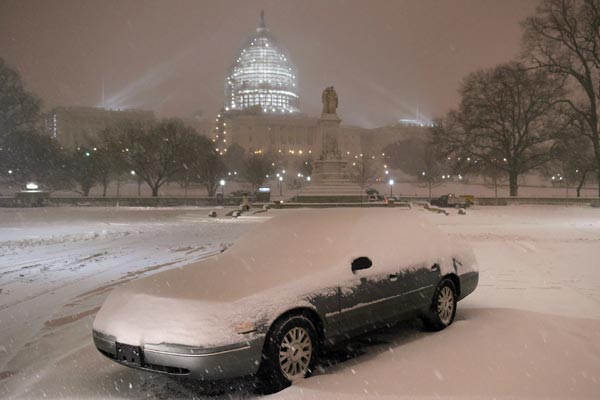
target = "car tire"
x: 443, y: 307
x: 289, y: 353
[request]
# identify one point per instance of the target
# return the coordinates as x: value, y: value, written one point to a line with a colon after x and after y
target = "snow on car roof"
x: 304, y: 243
x: 291, y: 256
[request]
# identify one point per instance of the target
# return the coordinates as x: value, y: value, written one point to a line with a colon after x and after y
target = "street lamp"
x: 391, y: 182
x: 222, y: 183
x: 139, y: 183
x: 280, y: 189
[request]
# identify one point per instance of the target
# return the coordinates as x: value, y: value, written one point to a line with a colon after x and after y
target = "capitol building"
x: 262, y: 111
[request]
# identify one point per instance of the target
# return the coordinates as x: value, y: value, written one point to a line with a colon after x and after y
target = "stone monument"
x: 329, y: 125
x: 330, y: 178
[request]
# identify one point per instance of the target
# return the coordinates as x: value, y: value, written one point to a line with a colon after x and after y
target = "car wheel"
x: 443, y: 307
x: 289, y: 353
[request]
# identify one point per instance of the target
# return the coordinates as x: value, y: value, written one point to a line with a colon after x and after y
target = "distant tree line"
x: 151, y: 152
x: 539, y: 113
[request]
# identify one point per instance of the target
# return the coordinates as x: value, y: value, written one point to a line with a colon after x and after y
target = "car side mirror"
x: 361, y: 263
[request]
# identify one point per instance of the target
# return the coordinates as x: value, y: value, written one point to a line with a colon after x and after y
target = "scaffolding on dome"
x: 263, y: 76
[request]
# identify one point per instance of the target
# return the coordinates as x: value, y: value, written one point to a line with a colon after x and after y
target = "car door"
x: 369, y: 299
x: 417, y: 285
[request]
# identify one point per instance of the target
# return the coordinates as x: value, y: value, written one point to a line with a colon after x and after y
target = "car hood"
x: 202, y: 304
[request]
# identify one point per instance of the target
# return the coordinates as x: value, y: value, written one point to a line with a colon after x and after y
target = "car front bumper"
x: 224, y: 362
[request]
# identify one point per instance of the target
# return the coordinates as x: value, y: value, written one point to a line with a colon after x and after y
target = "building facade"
x: 80, y: 126
x: 262, y: 111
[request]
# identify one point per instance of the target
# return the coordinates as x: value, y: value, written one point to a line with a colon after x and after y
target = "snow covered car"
x: 301, y: 280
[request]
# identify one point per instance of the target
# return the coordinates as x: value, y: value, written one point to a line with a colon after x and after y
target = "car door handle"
x: 393, y: 277
x: 435, y: 267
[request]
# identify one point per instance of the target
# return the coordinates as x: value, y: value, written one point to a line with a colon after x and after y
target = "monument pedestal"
x: 331, y: 177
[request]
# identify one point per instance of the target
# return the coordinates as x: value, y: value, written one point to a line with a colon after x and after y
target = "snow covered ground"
x: 531, y: 329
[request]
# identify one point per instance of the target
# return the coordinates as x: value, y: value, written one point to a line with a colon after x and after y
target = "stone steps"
x: 341, y: 188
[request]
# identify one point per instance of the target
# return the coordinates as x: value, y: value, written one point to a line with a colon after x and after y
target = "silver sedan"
x: 301, y: 280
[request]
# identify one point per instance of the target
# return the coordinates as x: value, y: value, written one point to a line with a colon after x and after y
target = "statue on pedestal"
x: 329, y: 126
x: 330, y: 100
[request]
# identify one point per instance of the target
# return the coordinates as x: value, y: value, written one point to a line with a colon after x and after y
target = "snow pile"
x: 271, y: 269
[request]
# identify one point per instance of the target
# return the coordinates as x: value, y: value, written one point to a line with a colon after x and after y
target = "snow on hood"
x: 268, y: 270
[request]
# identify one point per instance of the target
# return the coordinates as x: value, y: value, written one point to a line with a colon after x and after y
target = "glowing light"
x: 222, y: 182
x: 32, y: 186
x: 262, y: 75
x: 391, y: 182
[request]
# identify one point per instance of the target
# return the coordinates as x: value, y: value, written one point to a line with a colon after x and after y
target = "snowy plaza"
x: 311, y: 200
x: 530, y: 330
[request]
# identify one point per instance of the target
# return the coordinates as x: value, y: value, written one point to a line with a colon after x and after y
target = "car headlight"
x: 244, y: 327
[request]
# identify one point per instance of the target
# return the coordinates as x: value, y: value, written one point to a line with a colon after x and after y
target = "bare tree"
x: 113, y: 163
x: 209, y: 167
x: 563, y: 37
x: 573, y: 158
x: 433, y: 167
x: 234, y: 158
x: 506, y: 113
x: 25, y: 153
x: 29, y: 156
x: 493, y: 176
x: 156, y: 151
x: 19, y: 108
x: 419, y: 158
x: 362, y: 172
x: 83, y: 169
x: 256, y: 169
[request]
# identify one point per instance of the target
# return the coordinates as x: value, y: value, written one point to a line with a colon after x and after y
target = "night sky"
x: 384, y: 57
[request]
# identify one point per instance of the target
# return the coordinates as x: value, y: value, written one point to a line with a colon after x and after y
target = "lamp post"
x: 222, y: 184
x: 391, y: 182
x: 280, y: 186
x: 139, y: 182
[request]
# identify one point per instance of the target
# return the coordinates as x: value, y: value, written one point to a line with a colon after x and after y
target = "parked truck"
x: 453, y: 201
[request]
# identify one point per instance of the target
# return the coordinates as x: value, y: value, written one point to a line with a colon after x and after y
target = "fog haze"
x: 385, y: 58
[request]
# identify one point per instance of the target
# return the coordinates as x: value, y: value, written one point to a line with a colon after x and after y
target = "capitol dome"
x: 262, y: 75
